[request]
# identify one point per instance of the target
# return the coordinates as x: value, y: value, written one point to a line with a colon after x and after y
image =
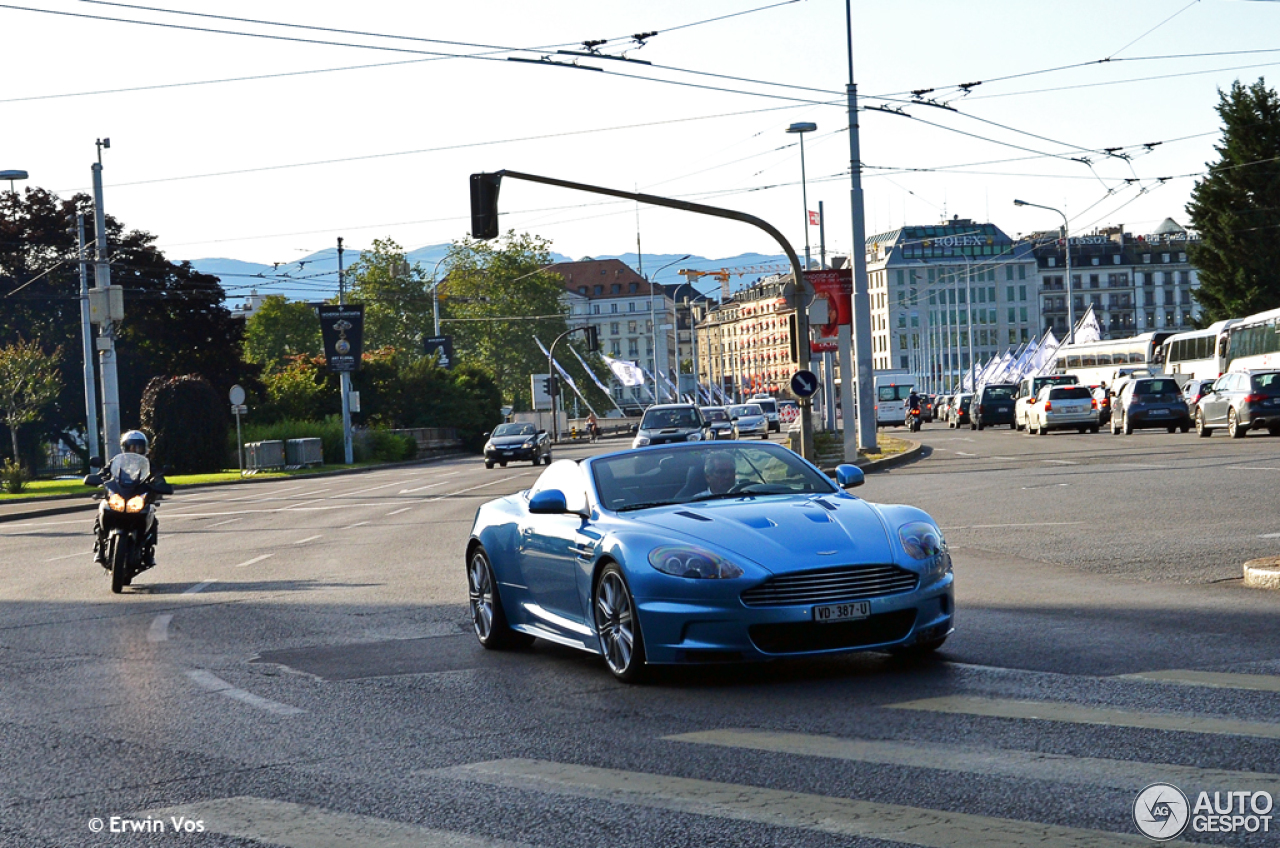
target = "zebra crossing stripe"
x: 780, y: 808
x: 301, y: 826
x: 1079, y: 714
x: 998, y: 762
x: 1212, y: 679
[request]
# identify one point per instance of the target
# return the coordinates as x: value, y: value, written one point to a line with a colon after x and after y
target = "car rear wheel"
x: 617, y: 626
x: 488, y: 464
x: 1172, y: 428
x: 487, y: 616
x: 1274, y: 430
x: 1234, y: 428
x: 1093, y: 429
x: 1201, y: 430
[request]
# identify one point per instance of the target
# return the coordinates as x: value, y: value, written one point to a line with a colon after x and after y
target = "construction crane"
x: 723, y: 274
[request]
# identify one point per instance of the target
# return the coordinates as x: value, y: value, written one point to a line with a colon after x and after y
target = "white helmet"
x: 134, y: 441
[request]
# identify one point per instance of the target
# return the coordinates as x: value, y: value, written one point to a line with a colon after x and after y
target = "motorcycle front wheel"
x: 118, y: 556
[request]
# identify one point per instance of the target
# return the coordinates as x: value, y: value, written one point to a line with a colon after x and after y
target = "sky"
x: 264, y: 131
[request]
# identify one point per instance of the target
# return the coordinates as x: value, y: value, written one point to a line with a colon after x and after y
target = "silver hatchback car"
x: 1062, y: 408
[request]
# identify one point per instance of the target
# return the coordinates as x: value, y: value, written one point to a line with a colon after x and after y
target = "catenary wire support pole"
x: 107, y: 333
x: 861, y: 296
x: 800, y: 296
x: 1066, y: 244
x: 344, y: 378
x: 86, y: 332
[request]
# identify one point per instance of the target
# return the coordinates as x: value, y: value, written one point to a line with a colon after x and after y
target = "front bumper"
x: 510, y: 454
x: 713, y: 630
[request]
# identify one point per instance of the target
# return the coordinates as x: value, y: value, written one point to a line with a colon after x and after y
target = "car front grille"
x: 805, y: 636
x: 829, y: 585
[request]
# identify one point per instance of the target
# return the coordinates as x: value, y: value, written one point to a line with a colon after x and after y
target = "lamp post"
x: 435, y: 294
x: 653, y: 323
x: 1066, y: 242
x: 800, y: 129
x: 11, y: 176
x: 968, y: 294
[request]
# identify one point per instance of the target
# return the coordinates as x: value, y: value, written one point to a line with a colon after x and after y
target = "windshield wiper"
x: 648, y: 505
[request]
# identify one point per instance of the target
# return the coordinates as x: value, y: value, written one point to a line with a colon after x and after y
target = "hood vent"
x: 695, y: 516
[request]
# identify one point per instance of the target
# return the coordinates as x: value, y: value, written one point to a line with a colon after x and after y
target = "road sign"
x: 238, y: 409
x: 804, y: 383
x: 237, y: 395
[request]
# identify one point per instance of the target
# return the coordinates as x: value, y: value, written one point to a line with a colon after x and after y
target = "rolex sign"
x: 343, y: 329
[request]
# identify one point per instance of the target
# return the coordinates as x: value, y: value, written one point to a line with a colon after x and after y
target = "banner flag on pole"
x: 567, y: 377
x: 590, y: 373
x: 628, y: 373
x: 1087, y: 328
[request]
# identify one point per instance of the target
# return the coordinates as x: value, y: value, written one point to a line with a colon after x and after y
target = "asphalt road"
x: 298, y: 671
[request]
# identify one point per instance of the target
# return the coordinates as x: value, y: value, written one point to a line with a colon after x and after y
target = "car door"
x: 1213, y: 406
x: 550, y: 548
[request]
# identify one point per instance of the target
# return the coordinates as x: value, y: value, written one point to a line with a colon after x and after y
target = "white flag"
x: 1087, y: 328
x: 1047, y: 355
x: 628, y: 373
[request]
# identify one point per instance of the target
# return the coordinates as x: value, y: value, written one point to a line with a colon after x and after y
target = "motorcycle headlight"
x: 641, y: 441
x: 681, y: 561
x: 116, y: 502
x: 922, y: 540
x: 694, y: 437
x: 137, y: 503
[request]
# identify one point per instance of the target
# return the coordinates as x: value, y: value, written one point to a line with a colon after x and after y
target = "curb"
x: 79, y: 505
x: 1262, y: 573
x: 869, y: 466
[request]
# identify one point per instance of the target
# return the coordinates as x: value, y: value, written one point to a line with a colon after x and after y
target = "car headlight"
x: 488, y: 446
x: 115, y: 502
x: 529, y: 443
x: 137, y: 503
x: 922, y: 540
x: 682, y: 561
x: 694, y: 437
x: 641, y: 441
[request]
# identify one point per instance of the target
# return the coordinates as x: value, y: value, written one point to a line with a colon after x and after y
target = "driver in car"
x: 721, y: 473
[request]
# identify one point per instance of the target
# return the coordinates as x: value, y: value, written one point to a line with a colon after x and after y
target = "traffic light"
x: 794, y: 327
x: 484, y: 205
x: 554, y: 389
x: 546, y: 386
x: 593, y: 339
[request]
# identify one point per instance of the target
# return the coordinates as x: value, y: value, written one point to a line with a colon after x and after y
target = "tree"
x: 396, y: 297
x: 1236, y: 208
x: 280, y: 328
x: 29, y: 382
x: 188, y: 426
x: 500, y: 298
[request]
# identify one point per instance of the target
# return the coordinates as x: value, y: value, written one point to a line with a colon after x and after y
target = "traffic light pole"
x: 553, y: 380
x: 484, y: 225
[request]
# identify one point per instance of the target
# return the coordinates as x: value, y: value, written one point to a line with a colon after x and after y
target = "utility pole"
x: 861, y: 295
x: 107, y: 334
x: 344, y: 378
x: 86, y: 332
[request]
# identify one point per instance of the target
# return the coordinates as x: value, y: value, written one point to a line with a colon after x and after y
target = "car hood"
x: 667, y: 431
x: 780, y: 534
x: 509, y: 441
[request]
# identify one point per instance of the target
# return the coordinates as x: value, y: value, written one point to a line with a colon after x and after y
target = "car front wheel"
x: 1201, y: 430
x: 617, y: 626
x: 1126, y: 425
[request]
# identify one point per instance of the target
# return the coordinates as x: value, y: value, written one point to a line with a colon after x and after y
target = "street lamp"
x: 653, y: 324
x: 1066, y: 241
x: 435, y: 294
x: 800, y: 129
x: 11, y: 176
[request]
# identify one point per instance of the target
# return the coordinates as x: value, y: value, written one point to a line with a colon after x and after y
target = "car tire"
x: 1084, y: 430
x: 1094, y: 429
x: 980, y: 425
x: 617, y: 625
x: 1234, y: 428
x: 973, y: 426
x: 1172, y: 428
x: 547, y: 461
x: 1201, y: 430
x: 488, y: 464
x: 503, y: 464
x: 488, y: 619
x: 1185, y: 426
x: 1126, y: 425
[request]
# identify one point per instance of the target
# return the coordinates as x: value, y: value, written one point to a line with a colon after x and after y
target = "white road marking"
x: 1211, y: 679
x: 1060, y: 461
x: 252, y: 561
x: 1025, y: 765
x: 1253, y: 468
x: 996, y: 526
x: 297, y: 826
x: 421, y: 488
x: 1081, y: 714
x: 357, y: 524
x: 213, y: 683
x: 1133, y: 466
x: 201, y: 586
x: 816, y: 813
x: 159, y: 630
x: 398, y: 511
x: 228, y: 521
x: 1263, y: 536
x: 1046, y: 486
x: 309, y: 539
x: 81, y: 553
x: 962, y: 453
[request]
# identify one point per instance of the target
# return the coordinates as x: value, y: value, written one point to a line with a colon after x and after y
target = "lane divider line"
x: 159, y: 630
x: 1210, y: 679
x: 357, y: 524
x: 309, y: 539
x: 211, y: 682
x: 252, y: 561
x: 228, y: 521
x: 398, y: 511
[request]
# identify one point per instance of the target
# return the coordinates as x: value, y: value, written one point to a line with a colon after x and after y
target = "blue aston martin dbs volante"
x: 705, y: 552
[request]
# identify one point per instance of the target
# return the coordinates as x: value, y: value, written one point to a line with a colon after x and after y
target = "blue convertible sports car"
x: 705, y: 552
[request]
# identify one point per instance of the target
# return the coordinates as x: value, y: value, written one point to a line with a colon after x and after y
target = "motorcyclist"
x: 134, y: 441
x: 913, y: 409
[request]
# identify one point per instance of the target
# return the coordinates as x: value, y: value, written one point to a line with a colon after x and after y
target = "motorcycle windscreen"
x: 130, y: 468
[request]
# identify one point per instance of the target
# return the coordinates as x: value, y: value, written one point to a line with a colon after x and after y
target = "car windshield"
x: 658, y: 477
x: 515, y: 429
x: 1267, y: 384
x: 659, y: 419
x: 130, y: 468
x: 998, y: 393
x: 767, y: 405
x: 748, y: 409
x: 888, y: 393
x: 1156, y: 387
x: 715, y: 414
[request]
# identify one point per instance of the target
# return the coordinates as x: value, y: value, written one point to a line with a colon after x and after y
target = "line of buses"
x: 1232, y: 345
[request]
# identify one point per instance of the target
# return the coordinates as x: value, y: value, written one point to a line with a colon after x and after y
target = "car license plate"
x: 1159, y: 412
x: 828, y: 613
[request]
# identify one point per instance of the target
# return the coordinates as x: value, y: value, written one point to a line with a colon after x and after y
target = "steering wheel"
x: 738, y: 488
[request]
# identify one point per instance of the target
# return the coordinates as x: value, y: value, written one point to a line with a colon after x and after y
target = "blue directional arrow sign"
x: 804, y: 383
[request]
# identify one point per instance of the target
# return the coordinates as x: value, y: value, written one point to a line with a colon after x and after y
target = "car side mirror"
x: 849, y: 476
x: 548, y: 502
x: 486, y: 435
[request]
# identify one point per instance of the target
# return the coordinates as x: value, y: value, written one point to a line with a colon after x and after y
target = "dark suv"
x: 1148, y: 402
x: 672, y: 422
x: 1242, y: 401
x: 994, y: 406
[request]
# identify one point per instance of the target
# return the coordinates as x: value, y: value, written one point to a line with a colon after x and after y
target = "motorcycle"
x: 127, y: 514
x: 913, y: 423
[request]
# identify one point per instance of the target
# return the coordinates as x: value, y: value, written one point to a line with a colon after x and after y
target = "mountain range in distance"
x: 315, y: 277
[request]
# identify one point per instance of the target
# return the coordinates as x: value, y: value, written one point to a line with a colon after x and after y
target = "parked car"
x: 1193, y: 391
x: 1242, y: 401
x: 995, y: 406
x: 1030, y: 387
x: 959, y: 410
x: 655, y: 569
x: 769, y: 407
x: 1148, y: 402
x: 518, y: 441
x: 722, y: 426
x: 750, y: 419
x: 1062, y: 408
x: 671, y: 422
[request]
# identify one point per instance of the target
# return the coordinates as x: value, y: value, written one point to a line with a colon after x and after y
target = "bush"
x: 187, y: 422
x: 385, y: 446
x: 13, y: 477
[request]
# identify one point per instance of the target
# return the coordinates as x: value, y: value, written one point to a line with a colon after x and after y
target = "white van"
x: 892, y: 392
